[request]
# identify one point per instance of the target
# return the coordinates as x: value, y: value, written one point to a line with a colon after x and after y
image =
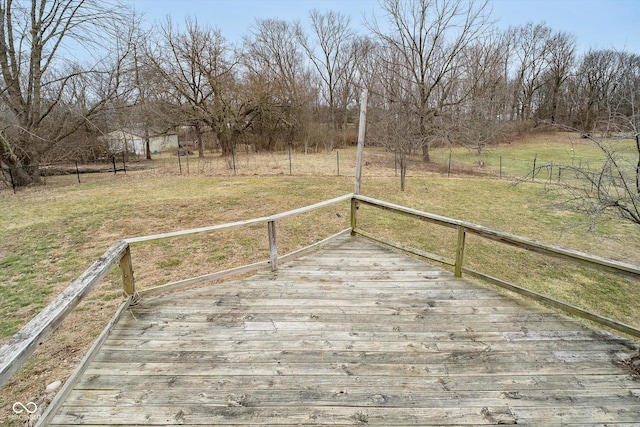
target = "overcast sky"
x: 600, y: 24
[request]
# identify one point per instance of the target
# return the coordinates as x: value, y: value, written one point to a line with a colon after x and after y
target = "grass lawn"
x: 516, y: 160
x: 51, y: 234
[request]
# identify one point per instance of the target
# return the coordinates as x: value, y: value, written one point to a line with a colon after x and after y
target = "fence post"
x: 13, y: 182
x: 338, y: 161
x: 535, y: 158
x: 113, y: 160
x: 500, y: 167
x: 290, y: 166
x: 78, y: 172
x: 449, y: 168
x: 127, y: 273
x: 273, y: 248
x: 460, y: 251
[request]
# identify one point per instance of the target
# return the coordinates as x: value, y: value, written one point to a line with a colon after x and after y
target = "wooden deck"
x: 355, y: 334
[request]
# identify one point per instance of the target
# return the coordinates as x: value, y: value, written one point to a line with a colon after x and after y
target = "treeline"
x: 437, y: 72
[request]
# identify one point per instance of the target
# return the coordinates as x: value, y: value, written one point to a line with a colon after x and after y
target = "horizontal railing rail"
x: 463, y: 228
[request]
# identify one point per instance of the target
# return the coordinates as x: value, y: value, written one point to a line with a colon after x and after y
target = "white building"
x: 132, y: 141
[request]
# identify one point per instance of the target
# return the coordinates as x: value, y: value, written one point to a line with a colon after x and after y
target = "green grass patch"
x: 548, y: 151
x: 168, y: 263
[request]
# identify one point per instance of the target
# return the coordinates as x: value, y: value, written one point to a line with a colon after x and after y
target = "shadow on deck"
x: 354, y: 334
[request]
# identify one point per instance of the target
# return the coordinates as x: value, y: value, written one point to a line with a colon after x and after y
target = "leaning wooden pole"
x: 361, y: 129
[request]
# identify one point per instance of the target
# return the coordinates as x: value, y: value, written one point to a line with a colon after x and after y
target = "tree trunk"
x: 23, y: 176
x: 226, y: 144
x: 426, y: 157
x: 403, y: 171
x: 22, y: 173
x: 147, y: 143
x: 554, y: 102
x: 638, y: 165
x: 199, y: 139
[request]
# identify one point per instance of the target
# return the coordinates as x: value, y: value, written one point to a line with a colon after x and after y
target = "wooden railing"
x: 28, y: 339
x: 464, y: 228
x: 274, y: 258
x: 22, y: 344
x: 19, y: 348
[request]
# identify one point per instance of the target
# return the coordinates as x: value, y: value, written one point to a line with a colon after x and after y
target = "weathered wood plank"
x: 569, y: 308
x: 337, y: 304
x: 551, y: 383
x: 393, y: 323
x: 187, y: 312
x: 271, y: 341
x: 398, y: 316
x: 382, y: 370
x: 317, y: 415
x: 407, y: 356
x: 206, y: 278
x: 307, y: 395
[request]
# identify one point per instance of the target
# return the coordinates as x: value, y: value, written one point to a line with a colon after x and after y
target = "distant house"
x: 132, y: 141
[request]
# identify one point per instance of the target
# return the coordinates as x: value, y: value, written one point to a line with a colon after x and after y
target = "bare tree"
x: 429, y: 37
x: 561, y: 59
x: 201, y: 68
x: 182, y: 59
x: 143, y: 77
x: 531, y: 51
x: 276, y: 73
x: 391, y: 119
x: 42, y: 91
x: 332, y: 54
x: 349, y: 86
x: 479, y: 119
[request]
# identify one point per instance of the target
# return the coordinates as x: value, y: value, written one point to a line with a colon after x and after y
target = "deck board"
x: 354, y: 334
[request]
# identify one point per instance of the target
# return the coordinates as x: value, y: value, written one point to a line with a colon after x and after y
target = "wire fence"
x: 13, y: 177
x: 377, y: 162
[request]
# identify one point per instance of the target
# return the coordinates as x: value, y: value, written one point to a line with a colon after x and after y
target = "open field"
x: 51, y: 234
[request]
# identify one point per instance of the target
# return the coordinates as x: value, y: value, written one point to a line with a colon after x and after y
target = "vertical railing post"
x: 354, y: 209
x: 273, y: 248
x: 460, y: 251
x: 127, y: 272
